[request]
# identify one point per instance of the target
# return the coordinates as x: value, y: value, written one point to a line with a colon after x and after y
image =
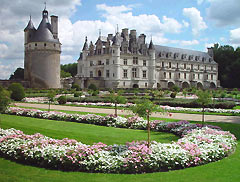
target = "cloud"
x: 14, y: 18
x: 235, y: 36
x: 224, y: 12
x: 196, y: 20
x: 189, y: 42
x: 171, y: 25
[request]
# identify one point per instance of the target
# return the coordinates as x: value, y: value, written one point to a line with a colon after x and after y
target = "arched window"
x: 99, y: 73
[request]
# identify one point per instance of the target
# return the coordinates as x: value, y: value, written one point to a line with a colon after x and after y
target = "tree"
x: 65, y: 74
x: 51, y: 94
x: 17, y: 75
x: 184, y: 91
x: 17, y: 91
x: 76, y: 87
x: 144, y: 108
x: 204, y: 98
x: 4, y: 99
x: 92, y: 87
x: 70, y: 68
x: 116, y: 98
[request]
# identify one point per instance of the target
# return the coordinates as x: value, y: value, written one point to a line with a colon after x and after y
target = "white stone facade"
x: 125, y: 61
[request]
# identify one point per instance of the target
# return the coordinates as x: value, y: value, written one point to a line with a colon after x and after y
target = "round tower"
x: 42, y: 54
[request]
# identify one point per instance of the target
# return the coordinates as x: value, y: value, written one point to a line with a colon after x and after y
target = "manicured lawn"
x: 226, y: 170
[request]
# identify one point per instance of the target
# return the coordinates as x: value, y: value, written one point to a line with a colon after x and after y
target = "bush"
x: 76, y: 86
x: 78, y: 94
x: 4, y: 99
x: 17, y: 91
x: 92, y: 87
x: 173, y: 95
x: 62, y: 100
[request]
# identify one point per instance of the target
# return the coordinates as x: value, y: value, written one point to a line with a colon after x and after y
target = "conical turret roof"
x: 44, y: 31
x: 30, y: 25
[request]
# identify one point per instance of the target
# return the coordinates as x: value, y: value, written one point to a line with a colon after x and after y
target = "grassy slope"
x: 221, y: 171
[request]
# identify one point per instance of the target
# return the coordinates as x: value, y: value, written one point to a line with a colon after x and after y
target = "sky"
x: 190, y: 24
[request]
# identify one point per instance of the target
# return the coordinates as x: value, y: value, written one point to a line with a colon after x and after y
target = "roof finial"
x: 30, y: 16
x: 99, y: 32
x: 117, y: 28
x: 45, y: 5
x: 86, y: 39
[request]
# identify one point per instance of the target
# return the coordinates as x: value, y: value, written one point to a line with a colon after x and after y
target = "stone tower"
x: 42, y: 51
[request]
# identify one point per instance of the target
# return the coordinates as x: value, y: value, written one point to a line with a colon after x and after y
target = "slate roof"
x: 202, y: 56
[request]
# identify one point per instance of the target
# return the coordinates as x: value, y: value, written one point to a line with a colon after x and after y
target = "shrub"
x: 173, y: 95
x: 78, y: 94
x: 17, y: 91
x: 76, y: 86
x: 4, y: 99
x: 92, y: 87
x: 62, y: 100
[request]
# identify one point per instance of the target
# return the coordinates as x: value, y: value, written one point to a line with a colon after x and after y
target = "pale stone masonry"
x: 127, y: 61
x: 42, y: 53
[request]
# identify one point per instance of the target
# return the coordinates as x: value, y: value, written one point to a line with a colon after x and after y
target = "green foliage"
x: 144, y: 107
x: 92, y: 87
x: 78, y: 94
x: 228, y: 61
x: 70, y: 68
x: 62, y: 100
x: 116, y: 98
x: 17, y: 91
x: 4, y: 99
x: 184, y: 91
x: 175, y: 88
x: 18, y: 74
x: 65, y: 74
x: 173, y: 95
x: 204, y: 98
x: 76, y: 87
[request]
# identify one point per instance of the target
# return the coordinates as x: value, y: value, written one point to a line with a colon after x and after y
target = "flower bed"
x: 198, y: 146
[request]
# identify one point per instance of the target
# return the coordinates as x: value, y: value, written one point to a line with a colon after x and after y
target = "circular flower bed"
x: 199, y: 145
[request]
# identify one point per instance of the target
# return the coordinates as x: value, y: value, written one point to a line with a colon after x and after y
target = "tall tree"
x: 70, y: 68
x: 17, y: 75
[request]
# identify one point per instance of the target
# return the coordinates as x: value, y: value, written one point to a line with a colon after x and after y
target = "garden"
x: 56, y: 146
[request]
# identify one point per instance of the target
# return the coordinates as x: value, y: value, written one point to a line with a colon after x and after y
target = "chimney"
x: 125, y: 34
x: 210, y: 52
x: 54, y: 23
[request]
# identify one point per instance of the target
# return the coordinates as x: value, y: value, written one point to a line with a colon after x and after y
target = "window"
x: 179, y: 75
x: 134, y: 72
x: 164, y: 75
x: 135, y: 60
x: 134, y: 50
x: 144, y: 63
x: 185, y: 66
x: 198, y: 76
x: 125, y: 73
x: 113, y: 51
x: 211, y: 68
x: 107, y: 61
x: 107, y: 73
x: 91, y: 74
x: 177, y: 65
x: 144, y: 52
x: 211, y: 77
x: 91, y: 63
x: 170, y: 75
x: 198, y: 67
x: 163, y: 64
x: 124, y: 84
x: 170, y: 64
x: 144, y: 74
x: 191, y: 66
x: 99, y: 51
x: 99, y: 62
x: 35, y: 44
x: 125, y: 49
x: 45, y: 44
x: 193, y: 76
x: 145, y: 84
x: 113, y: 74
x: 54, y: 45
x: 125, y: 61
x: 207, y: 77
x: 185, y: 75
x: 113, y: 62
x: 205, y: 68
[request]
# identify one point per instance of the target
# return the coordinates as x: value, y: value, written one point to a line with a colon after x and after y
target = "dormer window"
x: 45, y: 44
x: 176, y: 55
x: 134, y: 50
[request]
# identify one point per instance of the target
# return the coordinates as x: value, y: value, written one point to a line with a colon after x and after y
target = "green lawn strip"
x: 122, y: 108
x: 101, y: 114
x: 86, y: 133
x: 220, y: 171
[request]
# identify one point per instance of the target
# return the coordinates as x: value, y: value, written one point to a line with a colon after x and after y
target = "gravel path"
x: 181, y: 116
